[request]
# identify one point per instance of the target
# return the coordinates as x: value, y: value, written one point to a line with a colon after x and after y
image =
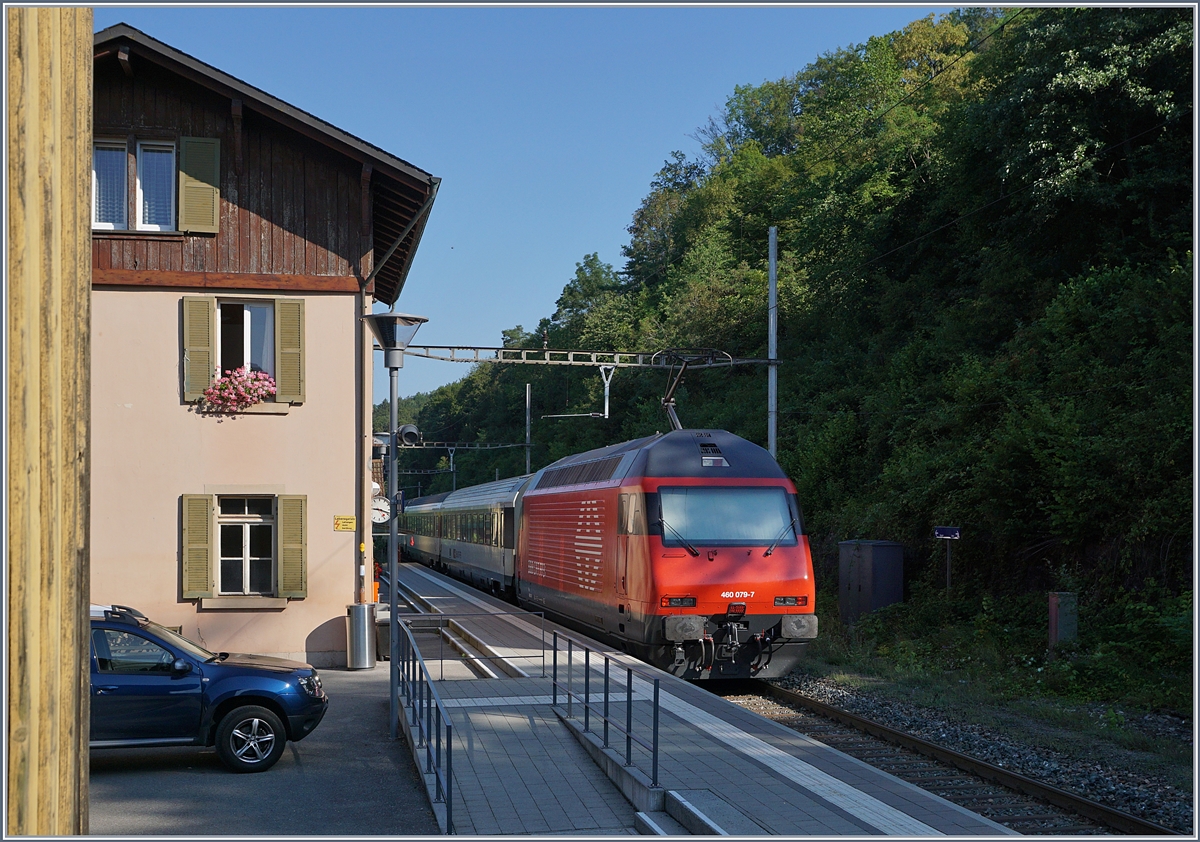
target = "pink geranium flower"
x: 237, y: 390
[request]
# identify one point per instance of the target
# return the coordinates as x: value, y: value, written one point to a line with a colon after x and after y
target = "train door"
x: 508, y: 546
x: 621, y: 574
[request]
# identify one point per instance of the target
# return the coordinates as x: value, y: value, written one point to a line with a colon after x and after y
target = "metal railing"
x: 479, y: 652
x: 429, y: 720
x: 625, y: 729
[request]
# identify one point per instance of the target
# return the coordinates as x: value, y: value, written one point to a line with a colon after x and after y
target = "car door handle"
x: 100, y: 691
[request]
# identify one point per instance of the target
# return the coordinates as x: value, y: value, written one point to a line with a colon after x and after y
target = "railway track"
x: 1007, y: 798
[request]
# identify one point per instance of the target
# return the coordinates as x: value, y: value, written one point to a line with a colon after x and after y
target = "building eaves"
x: 395, y: 204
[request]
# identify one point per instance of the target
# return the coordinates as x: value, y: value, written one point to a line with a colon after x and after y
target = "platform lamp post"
x: 393, y: 331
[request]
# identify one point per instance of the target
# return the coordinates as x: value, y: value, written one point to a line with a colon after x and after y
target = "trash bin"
x: 383, y: 632
x: 360, y: 636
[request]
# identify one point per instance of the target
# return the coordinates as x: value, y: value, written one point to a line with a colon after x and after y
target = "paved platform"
x: 346, y: 778
x: 522, y: 765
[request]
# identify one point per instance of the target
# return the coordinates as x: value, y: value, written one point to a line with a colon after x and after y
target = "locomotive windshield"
x: 725, y: 516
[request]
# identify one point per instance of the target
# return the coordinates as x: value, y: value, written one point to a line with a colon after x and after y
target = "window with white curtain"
x: 109, y: 185
x: 156, y: 187
x: 247, y: 336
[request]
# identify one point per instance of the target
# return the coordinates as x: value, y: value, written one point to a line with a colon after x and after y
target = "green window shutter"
x: 199, y: 184
x: 291, y: 545
x: 289, y: 350
x: 199, y: 345
x: 197, y: 546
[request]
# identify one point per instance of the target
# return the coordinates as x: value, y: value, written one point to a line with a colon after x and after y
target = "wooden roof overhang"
x: 399, y: 190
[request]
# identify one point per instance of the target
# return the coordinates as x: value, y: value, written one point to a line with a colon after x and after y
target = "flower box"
x: 238, y: 390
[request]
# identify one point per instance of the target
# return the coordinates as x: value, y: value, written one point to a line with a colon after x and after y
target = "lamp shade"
x: 393, y: 331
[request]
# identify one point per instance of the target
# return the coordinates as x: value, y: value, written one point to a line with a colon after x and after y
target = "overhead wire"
x: 953, y: 405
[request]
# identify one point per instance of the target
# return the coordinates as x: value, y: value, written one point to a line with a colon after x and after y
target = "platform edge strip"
x: 631, y: 783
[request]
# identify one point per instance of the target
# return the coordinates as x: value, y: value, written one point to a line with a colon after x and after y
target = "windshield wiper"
x: 683, y: 540
x: 779, y: 537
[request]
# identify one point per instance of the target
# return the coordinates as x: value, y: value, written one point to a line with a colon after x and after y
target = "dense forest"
x: 985, y: 290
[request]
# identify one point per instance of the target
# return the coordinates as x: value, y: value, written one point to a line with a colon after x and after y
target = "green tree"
x: 593, y: 281
x: 985, y: 229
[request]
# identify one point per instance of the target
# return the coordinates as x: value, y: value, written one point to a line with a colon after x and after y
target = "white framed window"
x: 246, y: 541
x: 110, y: 184
x: 155, y: 186
x: 244, y: 546
x: 246, y: 335
x: 225, y: 334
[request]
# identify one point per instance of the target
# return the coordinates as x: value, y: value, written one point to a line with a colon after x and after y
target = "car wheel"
x: 250, y: 739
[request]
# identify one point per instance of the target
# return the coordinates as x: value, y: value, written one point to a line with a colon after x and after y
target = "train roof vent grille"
x: 710, y: 455
x: 597, y: 470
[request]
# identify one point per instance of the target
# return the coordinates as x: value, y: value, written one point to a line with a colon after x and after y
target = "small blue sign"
x: 949, y: 532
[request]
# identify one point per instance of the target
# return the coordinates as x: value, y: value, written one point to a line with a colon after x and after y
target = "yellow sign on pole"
x: 345, y: 523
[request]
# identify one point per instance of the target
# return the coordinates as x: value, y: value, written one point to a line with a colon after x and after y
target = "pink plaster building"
x: 231, y: 230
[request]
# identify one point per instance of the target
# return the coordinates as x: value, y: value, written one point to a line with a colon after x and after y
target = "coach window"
x: 509, y: 529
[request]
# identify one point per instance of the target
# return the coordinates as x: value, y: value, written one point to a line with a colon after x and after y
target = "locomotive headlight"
x: 736, y: 609
x: 678, y: 602
x: 791, y: 600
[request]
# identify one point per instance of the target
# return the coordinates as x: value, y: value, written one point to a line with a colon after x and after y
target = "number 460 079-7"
x: 737, y: 594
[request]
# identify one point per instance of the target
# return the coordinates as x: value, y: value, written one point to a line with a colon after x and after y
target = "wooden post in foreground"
x: 47, y: 406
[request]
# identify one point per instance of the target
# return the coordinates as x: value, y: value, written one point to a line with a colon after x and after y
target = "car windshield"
x: 193, y: 649
x: 727, y: 516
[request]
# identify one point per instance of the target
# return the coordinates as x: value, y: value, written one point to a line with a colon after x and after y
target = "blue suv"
x: 153, y: 687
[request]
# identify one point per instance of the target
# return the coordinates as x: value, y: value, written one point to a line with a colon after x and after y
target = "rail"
x: 588, y: 705
x: 1113, y: 818
x: 429, y: 719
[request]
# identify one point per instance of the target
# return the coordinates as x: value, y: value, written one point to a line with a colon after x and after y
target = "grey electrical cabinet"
x: 870, y: 576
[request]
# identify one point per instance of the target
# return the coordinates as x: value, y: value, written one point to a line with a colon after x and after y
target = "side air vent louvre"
x: 595, y: 471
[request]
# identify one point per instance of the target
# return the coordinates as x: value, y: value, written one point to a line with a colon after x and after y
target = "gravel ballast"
x: 1099, y: 776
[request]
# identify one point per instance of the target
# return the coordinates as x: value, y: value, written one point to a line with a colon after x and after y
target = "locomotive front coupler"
x: 764, y: 650
x: 727, y: 634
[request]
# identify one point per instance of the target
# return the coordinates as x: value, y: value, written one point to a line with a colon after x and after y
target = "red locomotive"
x: 687, y: 549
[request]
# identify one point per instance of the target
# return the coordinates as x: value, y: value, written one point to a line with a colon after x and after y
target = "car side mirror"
x: 181, y: 667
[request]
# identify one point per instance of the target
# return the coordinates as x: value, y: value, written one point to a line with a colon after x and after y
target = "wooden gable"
x: 299, y: 205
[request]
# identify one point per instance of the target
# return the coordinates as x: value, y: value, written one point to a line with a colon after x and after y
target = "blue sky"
x: 546, y: 124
